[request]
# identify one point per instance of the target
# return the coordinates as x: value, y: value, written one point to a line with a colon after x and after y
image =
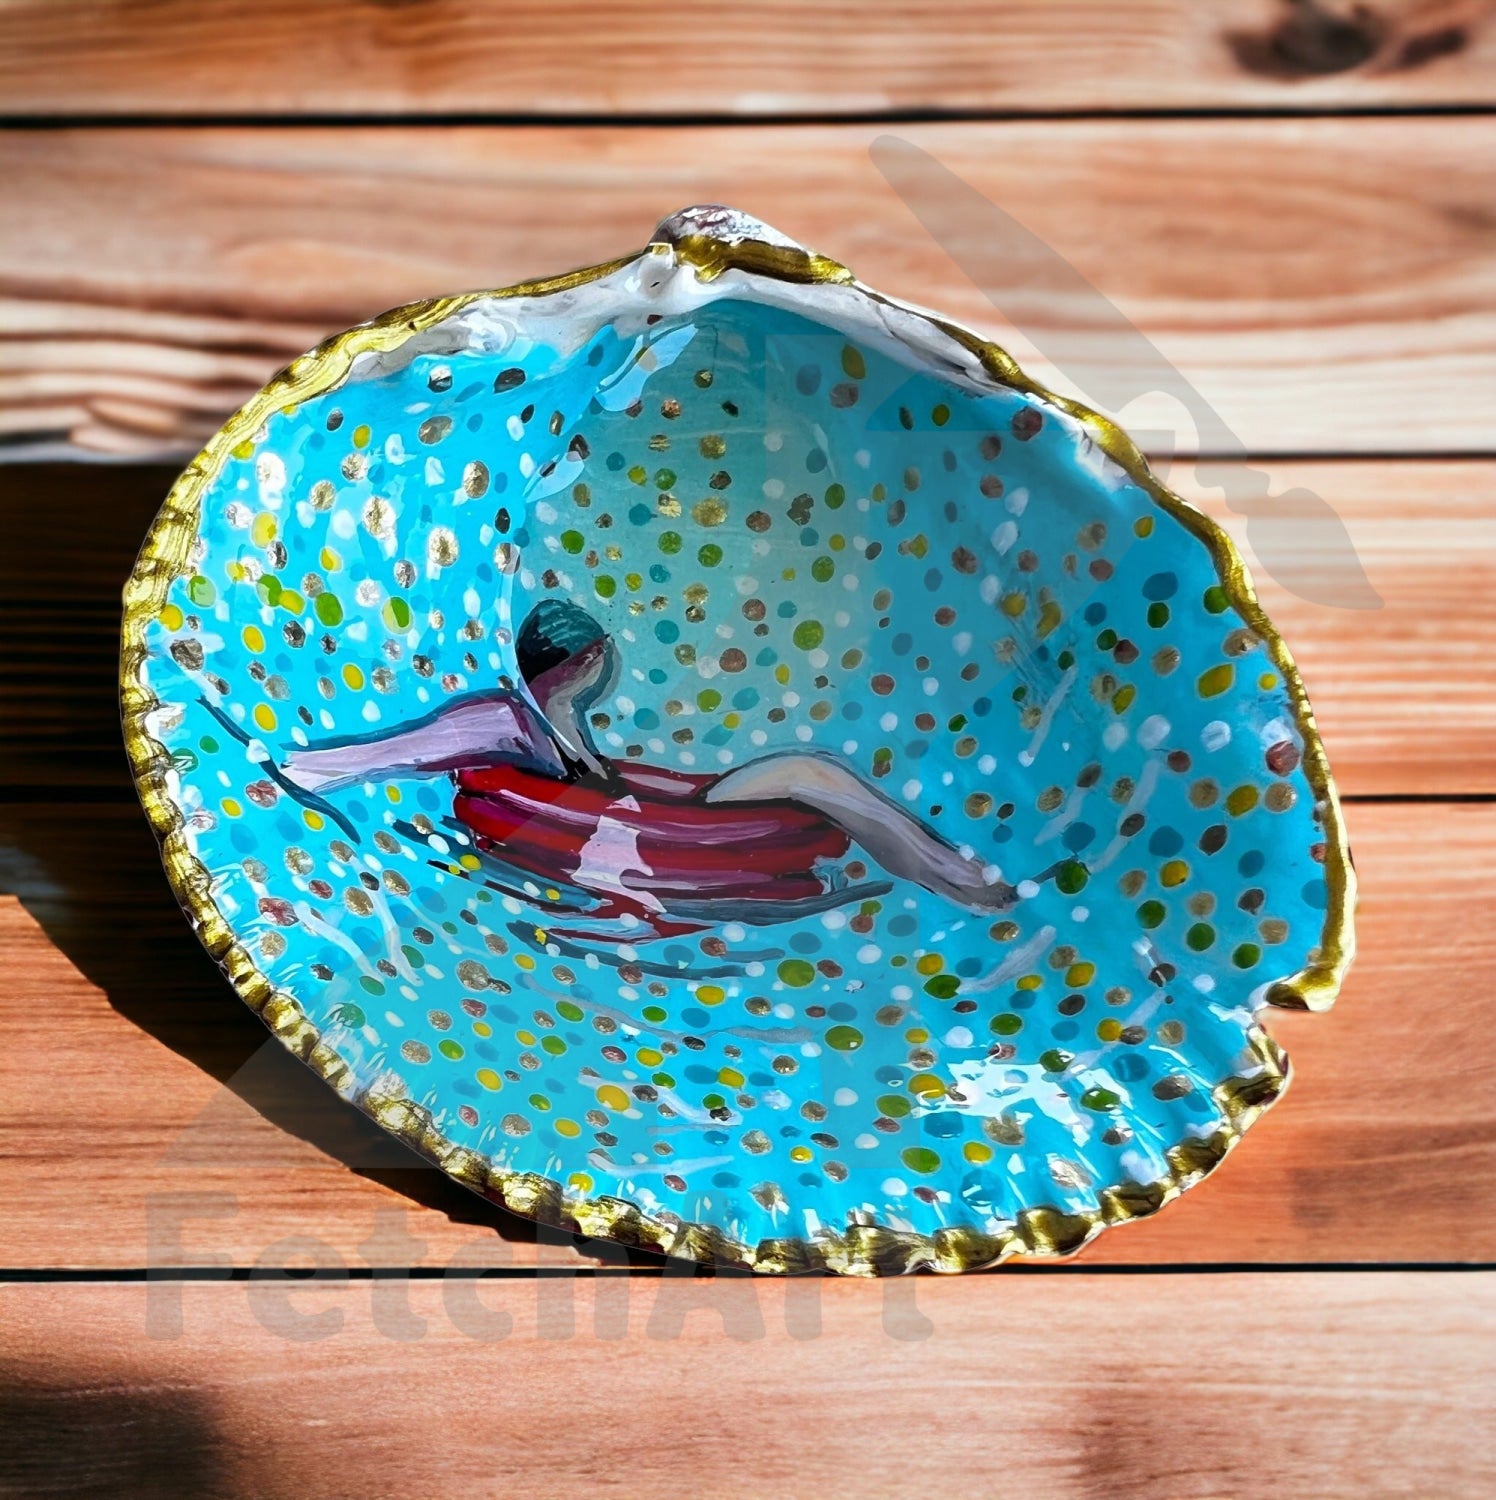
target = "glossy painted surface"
x: 802, y: 537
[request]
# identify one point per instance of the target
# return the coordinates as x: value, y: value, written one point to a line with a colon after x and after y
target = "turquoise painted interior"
x: 796, y: 544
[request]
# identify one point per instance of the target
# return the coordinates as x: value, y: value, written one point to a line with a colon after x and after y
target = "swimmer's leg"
x: 898, y: 841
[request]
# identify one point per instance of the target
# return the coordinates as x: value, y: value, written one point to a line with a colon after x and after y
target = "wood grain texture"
x: 763, y: 57
x: 1368, y: 1384
x: 1327, y: 285
x: 143, y: 1099
x: 1404, y: 693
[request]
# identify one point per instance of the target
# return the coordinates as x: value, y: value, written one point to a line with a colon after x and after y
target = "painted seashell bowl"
x: 718, y: 759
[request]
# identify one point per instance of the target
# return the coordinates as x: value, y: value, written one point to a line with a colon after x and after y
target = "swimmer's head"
x: 567, y: 661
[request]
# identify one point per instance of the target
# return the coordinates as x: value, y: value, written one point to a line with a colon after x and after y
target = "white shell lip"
x: 719, y: 222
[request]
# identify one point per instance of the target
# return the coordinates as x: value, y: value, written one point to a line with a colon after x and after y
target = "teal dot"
x: 667, y: 632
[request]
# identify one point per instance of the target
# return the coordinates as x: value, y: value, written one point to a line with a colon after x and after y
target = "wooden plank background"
x: 1291, y: 198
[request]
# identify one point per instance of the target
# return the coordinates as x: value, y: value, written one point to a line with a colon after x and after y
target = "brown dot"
x: 882, y: 684
x: 760, y: 520
x: 991, y: 486
x: 734, y: 660
x: 1282, y: 757
x: 1026, y: 422
x: 753, y: 609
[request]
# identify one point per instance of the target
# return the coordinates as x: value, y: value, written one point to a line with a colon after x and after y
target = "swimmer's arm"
x: 479, y: 731
x: 898, y: 841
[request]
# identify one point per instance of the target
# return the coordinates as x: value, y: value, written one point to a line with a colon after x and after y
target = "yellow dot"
x: 568, y: 1128
x: 976, y: 1152
x: 610, y: 1096
x: 330, y: 560
x: 1109, y: 1030
x: 711, y: 994
x: 292, y: 602
x: 264, y: 717
x: 393, y: 793
x: 1242, y: 800
x: 243, y: 450
x: 1175, y: 872
x: 524, y: 961
x: 927, y: 1086
x: 929, y: 963
x: 489, y: 1079
x: 1079, y: 974
x: 361, y: 435
x: 231, y: 807
x: 916, y: 1036
x: 353, y: 676
x: 470, y: 862
x: 1031, y: 981
x: 580, y: 1181
x: 236, y: 571
x: 525, y: 1038
x: 781, y: 674
x: 482, y: 1028
x: 1014, y: 605
x: 1267, y: 681
x: 730, y: 1077
x: 731, y: 721
x: 801, y: 1153
x: 552, y: 894
x: 171, y: 617
x: 262, y: 529
x: 650, y: 1057
x: 1143, y: 526
x: 313, y: 820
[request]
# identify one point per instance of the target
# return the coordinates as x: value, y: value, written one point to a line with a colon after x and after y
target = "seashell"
x: 873, y: 810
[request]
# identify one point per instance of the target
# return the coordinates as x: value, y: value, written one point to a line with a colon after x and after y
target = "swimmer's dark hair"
x: 553, y: 632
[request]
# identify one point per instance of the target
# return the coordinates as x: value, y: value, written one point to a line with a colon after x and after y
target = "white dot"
x: 911, y: 789
x: 845, y: 1097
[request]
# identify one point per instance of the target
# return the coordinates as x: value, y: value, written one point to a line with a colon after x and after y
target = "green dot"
x: 605, y: 585
x: 1106, y: 640
x: 552, y: 1044
x: 796, y: 972
x: 650, y: 1012
x: 1099, y: 1099
x: 1056, y: 1060
x: 201, y: 591
x: 853, y: 362
x: 1216, y: 600
x: 413, y: 956
x: 710, y: 555
x: 1246, y: 955
x: 1151, y: 914
x: 396, y: 614
x: 809, y: 634
x: 1213, y: 683
x: 269, y: 589
x: 708, y: 699
x: 450, y: 1049
x: 713, y: 1101
x: 822, y: 569
x: 349, y: 1015
x: 895, y: 1106
x: 1071, y: 877
x: 372, y: 985
x: 664, y: 478
x: 573, y: 541
x: 670, y: 542
x: 1158, y: 615
x: 1200, y: 936
x: 208, y: 745
x: 1007, y: 1024
x: 844, y: 1038
x: 942, y: 986
x: 663, y: 1080
x: 836, y: 496
x: 920, y: 1159
x: 329, y: 611
x: 569, y: 1010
